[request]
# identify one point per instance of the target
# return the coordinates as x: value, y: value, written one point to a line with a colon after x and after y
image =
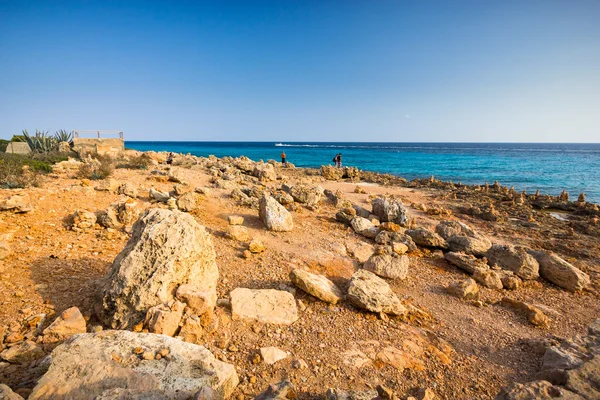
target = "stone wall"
x: 98, y: 146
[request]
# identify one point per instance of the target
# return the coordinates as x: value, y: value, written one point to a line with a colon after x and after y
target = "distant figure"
x: 340, y: 160
x: 336, y: 159
x: 170, y: 159
x: 283, y: 159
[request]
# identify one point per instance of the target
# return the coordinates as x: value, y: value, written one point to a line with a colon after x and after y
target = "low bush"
x: 97, y: 168
x: 3, y: 144
x: 20, y: 171
x: 138, y: 162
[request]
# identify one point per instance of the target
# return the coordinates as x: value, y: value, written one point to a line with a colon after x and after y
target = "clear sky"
x: 495, y: 70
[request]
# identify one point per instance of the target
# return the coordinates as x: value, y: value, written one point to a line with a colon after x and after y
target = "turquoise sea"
x: 549, y: 167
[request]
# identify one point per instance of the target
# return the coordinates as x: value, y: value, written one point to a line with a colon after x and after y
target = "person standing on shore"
x: 339, y: 160
x: 170, y: 159
x: 336, y: 159
x: 283, y: 161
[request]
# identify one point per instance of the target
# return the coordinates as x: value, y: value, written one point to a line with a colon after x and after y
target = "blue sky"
x: 304, y: 70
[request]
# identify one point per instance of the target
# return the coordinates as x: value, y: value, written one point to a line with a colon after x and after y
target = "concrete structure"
x: 112, y: 147
x: 18, y: 148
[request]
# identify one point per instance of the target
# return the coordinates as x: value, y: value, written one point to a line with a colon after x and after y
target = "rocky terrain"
x: 216, y: 278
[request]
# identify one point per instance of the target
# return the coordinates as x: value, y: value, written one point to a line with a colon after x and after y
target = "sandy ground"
x: 53, y: 268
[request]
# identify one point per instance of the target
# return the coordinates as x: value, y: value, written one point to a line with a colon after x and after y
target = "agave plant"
x: 63, y: 136
x: 42, y: 142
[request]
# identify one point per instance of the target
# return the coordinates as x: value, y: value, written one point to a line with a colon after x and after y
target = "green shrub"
x: 139, y: 162
x: 99, y: 168
x: 3, y: 144
x: 20, y: 171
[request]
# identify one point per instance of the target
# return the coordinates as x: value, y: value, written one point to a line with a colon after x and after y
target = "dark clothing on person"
x: 283, y: 158
x: 170, y: 159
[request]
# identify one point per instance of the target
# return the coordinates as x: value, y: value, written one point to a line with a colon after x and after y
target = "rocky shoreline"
x: 227, y: 277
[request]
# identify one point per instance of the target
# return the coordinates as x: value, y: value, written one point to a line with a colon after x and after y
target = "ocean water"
x: 549, y: 167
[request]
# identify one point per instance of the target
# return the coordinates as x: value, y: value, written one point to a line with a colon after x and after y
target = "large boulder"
x: 446, y: 229
x: 477, y: 244
x: 274, y: 215
x: 423, y: 237
x: 466, y: 262
x: 264, y: 305
x: 166, y: 249
x: 311, y: 196
x: 332, y: 173
x: 366, y: 290
x: 364, y: 227
x: 90, y: 365
x: 316, y: 285
x: 390, y: 210
x: 560, y: 272
x: 515, y: 259
x: 390, y: 266
x: 264, y: 172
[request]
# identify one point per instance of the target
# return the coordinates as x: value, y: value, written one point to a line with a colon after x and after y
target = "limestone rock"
x: 362, y: 252
x: 128, y: 189
x: 164, y: 319
x: 238, y: 232
x: 560, y: 272
x: 158, y: 195
x: 271, y: 355
x: 477, y: 245
x: 364, y: 227
x: 264, y: 172
x: 22, y: 352
x: 264, y: 305
x: 339, y: 394
x: 447, y: 229
x: 332, y: 173
x: 91, y: 364
x: 127, y: 211
x: 466, y: 262
x: 536, y: 390
x: 488, y: 278
x: 316, y: 285
x: 197, y: 298
x: 423, y: 237
x: 283, y: 390
x: 192, y: 330
x: 274, y: 215
x: 6, y: 393
x: 83, y: 219
x: 534, y: 315
x: 388, y: 266
x: 585, y: 379
x: 390, y: 210
x: 466, y: 289
x: 66, y: 325
x: 109, y: 219
x: 18, y: 203
x: 366, y: 290
x: 256, y: 246
x: 176, y: 175
x: 166, y: 249
x: 235, y: 220
x: 305, y: 195
x: 188, y: 202
x: 514, y: 259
